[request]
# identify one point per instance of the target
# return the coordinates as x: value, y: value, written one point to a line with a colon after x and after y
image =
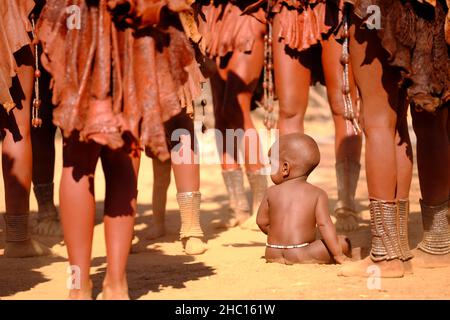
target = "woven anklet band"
x: 403, y: 215
x: 384, y: 228
x: 189, y: 203
x: 16, y: 227
x: 436, y: 233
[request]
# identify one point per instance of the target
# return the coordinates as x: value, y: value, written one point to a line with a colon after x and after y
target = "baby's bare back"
x: 292, y: 206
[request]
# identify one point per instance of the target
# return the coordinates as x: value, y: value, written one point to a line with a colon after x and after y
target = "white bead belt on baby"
x: 295, y: 246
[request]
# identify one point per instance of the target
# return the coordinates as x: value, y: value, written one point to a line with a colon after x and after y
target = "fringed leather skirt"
x: 226, y: 27
x: 111, y: 80
x: 414, y: 34
x: 14, y: 28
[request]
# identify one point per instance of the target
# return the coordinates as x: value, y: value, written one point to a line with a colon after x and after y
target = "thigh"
x: 17, y: 122
x: 315, y: 252
x: 240, y: 78
x: 292, y: 77
x: 80, y: 156
x: 274, y: 255
x: 244, y: 69
x: 376, y: 80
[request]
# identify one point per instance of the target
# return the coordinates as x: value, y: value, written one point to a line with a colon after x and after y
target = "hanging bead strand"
x: 349, y: 114
x: 268, y: 86
x: 36, y: 121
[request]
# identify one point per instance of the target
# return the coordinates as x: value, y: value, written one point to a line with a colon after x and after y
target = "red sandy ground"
x: 232, y: 268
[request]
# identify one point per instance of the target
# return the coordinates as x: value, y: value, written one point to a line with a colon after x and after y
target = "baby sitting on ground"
x: 292, y: 209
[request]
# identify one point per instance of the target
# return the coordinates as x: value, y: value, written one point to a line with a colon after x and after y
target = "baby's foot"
x: 193, y: 246
x: 426, y: 260
x: 346, y: 220
x: 157, y: 230
x: 26, y: 249
x: 368, y: 268
x: 49, y: 227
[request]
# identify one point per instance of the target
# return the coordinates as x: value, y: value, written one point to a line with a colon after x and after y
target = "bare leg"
x: 43, y: 138
x: 347, y: 143
x: 233, y: 87
x: 231, y: 170
x: 77, y: 203
x: 161, y: 182
x: 16, y: 157
x: 447, y: 115
x: 292, y: 81
x: 404, y: 152
x: 43, y: 142
x: 380, y: 100
x: 433, y: 170
x: 121, y: 171
x: 187, y: 180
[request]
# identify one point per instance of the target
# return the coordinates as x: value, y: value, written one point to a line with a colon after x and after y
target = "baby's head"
x: 292, y: 156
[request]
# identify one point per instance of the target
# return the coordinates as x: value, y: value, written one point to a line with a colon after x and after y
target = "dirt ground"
x: 233, y: 267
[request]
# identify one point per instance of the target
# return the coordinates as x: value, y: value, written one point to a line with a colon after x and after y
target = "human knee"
x: 290, y: 112
x: 379, y: 121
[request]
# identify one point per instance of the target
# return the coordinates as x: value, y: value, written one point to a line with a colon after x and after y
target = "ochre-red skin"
x: 148, y: 72
x: 152, y: 72
x: 416, y: 44
x: 16, y: 85
x: 293, y: 209
x: 234, y: 41
x: 14, y: 28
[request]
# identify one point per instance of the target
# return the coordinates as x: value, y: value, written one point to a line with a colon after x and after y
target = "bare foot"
x: 26, y: 249
x: 194, y: 246
x: 231, y: 222
x: 428, y: 261
x: 250, y: 224
x: 368, y: 268
x: 81, y: 294
x: 109, y: 294
x: 114, y: 290
x: 157, y: 230
x: 346, y: 220
x: 48, y: 227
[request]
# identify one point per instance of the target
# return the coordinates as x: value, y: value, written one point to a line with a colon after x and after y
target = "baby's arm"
x: 262, y: 219
x: 327, y: 229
